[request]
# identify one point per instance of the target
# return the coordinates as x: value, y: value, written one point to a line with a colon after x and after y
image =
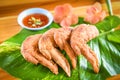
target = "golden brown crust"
x: 62, y: 38
x: 79, y: 38
x: 31, y: 53
x: 47, y: 44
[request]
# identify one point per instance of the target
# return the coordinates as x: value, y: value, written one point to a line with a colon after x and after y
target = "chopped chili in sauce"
x: 35, y: 20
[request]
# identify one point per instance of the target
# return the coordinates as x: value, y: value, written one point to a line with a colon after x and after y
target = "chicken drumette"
x: 30, y: 52
x: 79, y: 38
x: 62, y: 39
x: 47, y: 48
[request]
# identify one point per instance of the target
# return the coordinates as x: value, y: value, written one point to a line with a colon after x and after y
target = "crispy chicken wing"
x: 62, y: 37
x: 31, y: 53
x: 79, y: 37
x: 47, y: 48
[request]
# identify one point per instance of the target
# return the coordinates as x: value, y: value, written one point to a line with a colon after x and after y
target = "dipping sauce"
x: 35, y: 20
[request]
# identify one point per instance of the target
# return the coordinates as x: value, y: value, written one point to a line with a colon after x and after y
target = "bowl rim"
x: 38, y: 10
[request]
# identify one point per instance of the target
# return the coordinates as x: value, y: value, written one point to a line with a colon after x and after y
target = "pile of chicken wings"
x: 46, y: 48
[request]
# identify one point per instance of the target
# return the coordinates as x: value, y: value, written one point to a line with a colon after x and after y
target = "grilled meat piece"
x: 30, y: 52
x: 79, y: 38
x: 47, y: 47
x: 62, y: 39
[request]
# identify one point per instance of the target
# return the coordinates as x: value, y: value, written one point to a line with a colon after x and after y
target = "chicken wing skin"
x: 62, y: 38
x: 79, y: 38
x: 46, y: 43
x: 47, y: 47
x: 31, y: 53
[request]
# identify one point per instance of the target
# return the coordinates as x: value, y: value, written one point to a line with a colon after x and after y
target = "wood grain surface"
x: 9, y: 9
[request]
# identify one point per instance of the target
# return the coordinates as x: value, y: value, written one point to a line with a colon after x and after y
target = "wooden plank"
x: 16, y: 9
x: 5, y: 76
x: 115, y: 7
x: 18, y: 2
x: 116, y: 77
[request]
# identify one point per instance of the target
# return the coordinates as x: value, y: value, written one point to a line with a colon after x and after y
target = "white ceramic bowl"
x: 27, y: 12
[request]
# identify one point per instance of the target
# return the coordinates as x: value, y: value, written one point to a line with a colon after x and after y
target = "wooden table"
x: 10, y: 9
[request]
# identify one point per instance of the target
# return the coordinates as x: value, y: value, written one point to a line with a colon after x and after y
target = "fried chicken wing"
x: 62, y: 37
x: 47, y: 47
x: 31, y: 53
x: 79, y: 38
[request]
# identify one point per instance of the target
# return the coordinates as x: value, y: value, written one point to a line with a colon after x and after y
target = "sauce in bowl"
x: 35, y: 20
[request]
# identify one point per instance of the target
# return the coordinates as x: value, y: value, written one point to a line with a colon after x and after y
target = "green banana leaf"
x: 105, y: 46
